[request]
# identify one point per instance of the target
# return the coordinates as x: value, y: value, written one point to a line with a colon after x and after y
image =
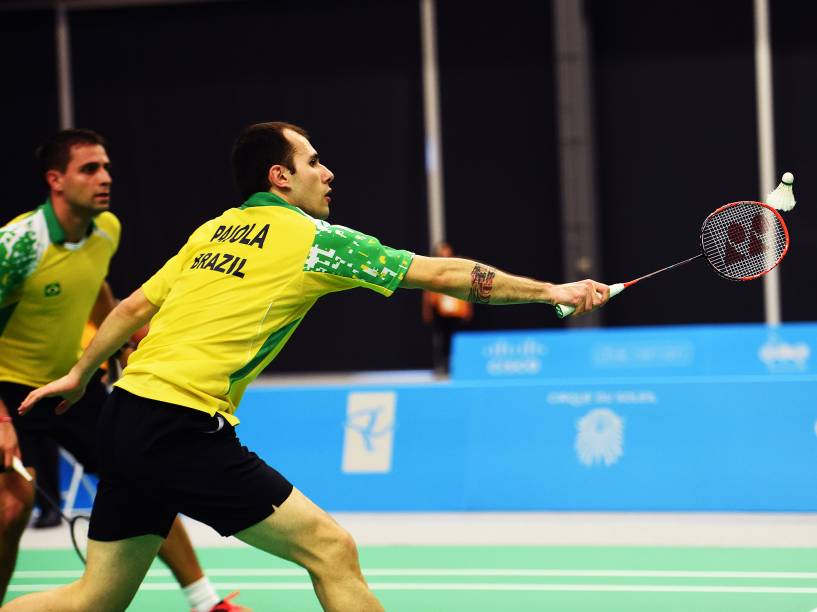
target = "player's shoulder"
x: 108, y: 221
x: 108, y: 224
x: 26, y: 217
x: 29, y: 229
x: 326, y: 232
x: 24, y: 241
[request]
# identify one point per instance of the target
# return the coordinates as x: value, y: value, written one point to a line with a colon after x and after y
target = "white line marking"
x: 471, y: 586
x: 463, y: 572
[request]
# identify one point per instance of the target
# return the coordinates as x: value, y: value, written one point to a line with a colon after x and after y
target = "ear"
x: 279, y: 176
x: 54, y: 179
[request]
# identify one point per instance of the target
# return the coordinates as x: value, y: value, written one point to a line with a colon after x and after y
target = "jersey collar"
x: 266, y: 198
x: 55, y: 232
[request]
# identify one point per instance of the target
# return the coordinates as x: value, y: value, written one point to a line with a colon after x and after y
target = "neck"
x: 281, y: 195
x: 73, y: 220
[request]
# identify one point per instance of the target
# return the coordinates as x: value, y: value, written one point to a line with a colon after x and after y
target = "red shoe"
x: 225, y: 605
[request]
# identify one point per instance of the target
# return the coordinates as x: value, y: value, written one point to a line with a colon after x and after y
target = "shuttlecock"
x: 782, y: 198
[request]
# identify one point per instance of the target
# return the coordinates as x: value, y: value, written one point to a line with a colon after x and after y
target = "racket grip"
x: 18, y: 467
x: 564, y: 310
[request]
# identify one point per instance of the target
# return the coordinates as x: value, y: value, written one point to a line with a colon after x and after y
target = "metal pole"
x: 433, y: 138
x: 580, y: 244
x: 64, y: 89
x: 765, y: 134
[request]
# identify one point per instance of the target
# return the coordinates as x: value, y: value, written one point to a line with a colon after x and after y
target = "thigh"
x: 76, y: 430
x: 235, y: 491
x: 124, y: 509
x: 16, y: 497
x: 114, y: 572
x: 296, y: 531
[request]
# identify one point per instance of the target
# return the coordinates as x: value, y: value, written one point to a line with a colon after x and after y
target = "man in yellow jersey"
x: 221, y: 310
x: 53, y: 264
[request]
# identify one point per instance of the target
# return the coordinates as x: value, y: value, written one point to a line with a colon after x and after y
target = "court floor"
x: 492, y: 578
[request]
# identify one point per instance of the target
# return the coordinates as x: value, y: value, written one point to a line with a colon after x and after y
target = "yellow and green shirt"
x: 233, y: 295
x: 47, y: 289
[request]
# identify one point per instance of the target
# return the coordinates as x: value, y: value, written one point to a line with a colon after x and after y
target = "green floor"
x: 493, y: 579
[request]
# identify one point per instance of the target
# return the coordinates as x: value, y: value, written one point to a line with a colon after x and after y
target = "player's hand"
x: 70, y: 386
x: 9, y: 446
x: 585, y: 296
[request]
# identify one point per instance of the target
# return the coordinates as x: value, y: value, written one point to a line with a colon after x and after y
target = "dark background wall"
x: 676, y: 137
x: 28, y: 104
x: 170, y: 86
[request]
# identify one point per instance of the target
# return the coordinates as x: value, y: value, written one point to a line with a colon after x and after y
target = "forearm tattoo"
x: 482, y: 282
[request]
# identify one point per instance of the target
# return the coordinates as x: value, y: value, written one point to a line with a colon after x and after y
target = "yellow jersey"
x: 236, y: 291
x: 47, y: 289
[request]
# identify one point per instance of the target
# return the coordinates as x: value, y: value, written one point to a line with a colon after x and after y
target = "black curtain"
x: 28, y: 105
x: 674, y: 99
x: 500, y: 146
x: 172, y: 87
x: 675, y: 124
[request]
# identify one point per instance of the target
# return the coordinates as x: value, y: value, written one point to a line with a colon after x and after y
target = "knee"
x: 338, y: 551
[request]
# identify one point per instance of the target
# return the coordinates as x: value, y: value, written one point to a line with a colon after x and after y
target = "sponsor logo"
x: 369, y: 432
x: 52, y: 290
x: 600, y: 437
x: 504, y: 358
x: 643, y: 355
x: 780, y: 356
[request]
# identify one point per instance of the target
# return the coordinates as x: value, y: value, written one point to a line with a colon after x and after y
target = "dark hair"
x: 55, y: 153
x: 258, y: 148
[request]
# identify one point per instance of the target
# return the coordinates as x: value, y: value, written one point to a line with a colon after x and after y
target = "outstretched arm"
x: 128, y: 316
x: 482, y: 284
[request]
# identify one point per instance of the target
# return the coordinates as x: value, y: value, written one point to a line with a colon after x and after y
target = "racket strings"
x: 743, y: 240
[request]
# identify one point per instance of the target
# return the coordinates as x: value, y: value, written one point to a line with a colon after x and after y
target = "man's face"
x: 309, y: 184
x: 86, y: 182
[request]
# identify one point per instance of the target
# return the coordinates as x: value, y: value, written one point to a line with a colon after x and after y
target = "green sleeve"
x: 20, y: 251
x: 342, y: 258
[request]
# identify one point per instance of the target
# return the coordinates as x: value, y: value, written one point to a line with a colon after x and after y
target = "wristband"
x: 5, y: 419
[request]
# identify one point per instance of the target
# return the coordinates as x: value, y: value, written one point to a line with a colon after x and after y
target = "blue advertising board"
x: 658, y: 442
x: 701, y: 350
x: 717, y: 418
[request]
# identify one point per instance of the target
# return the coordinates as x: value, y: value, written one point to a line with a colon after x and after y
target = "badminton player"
x: 221, y: 309
x: 53, y: 264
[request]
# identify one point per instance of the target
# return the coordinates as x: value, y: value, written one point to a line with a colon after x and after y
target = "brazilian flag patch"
x: 52, y: 289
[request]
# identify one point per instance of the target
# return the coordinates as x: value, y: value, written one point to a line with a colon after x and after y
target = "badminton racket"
x: 741, y: 241
x: 78, y: 524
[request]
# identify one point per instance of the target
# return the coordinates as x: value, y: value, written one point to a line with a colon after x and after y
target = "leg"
x: 77, y: 432
x: 177, y: 553
x: 113, y: 574
x: 16, y: 501
x: 303, y: 533
x: 47, y: 462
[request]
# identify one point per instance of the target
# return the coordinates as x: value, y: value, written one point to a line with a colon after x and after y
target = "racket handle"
x: 564, y: 310
x: 20, y: 468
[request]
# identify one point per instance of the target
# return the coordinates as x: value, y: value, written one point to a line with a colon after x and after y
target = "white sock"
x: 201, y: 595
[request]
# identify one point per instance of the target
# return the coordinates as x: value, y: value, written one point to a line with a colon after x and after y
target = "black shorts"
x: 159, y: 459
x: 74, y: 430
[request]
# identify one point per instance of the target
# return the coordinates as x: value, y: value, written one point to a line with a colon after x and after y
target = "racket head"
x: 744, y: 240
x: 79, y: 525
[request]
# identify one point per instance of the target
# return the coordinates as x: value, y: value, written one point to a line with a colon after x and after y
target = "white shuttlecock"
x: 782, y: 198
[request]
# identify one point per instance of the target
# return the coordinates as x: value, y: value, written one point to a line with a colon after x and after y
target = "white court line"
x: 464, y: 572
x: 470, y: 586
